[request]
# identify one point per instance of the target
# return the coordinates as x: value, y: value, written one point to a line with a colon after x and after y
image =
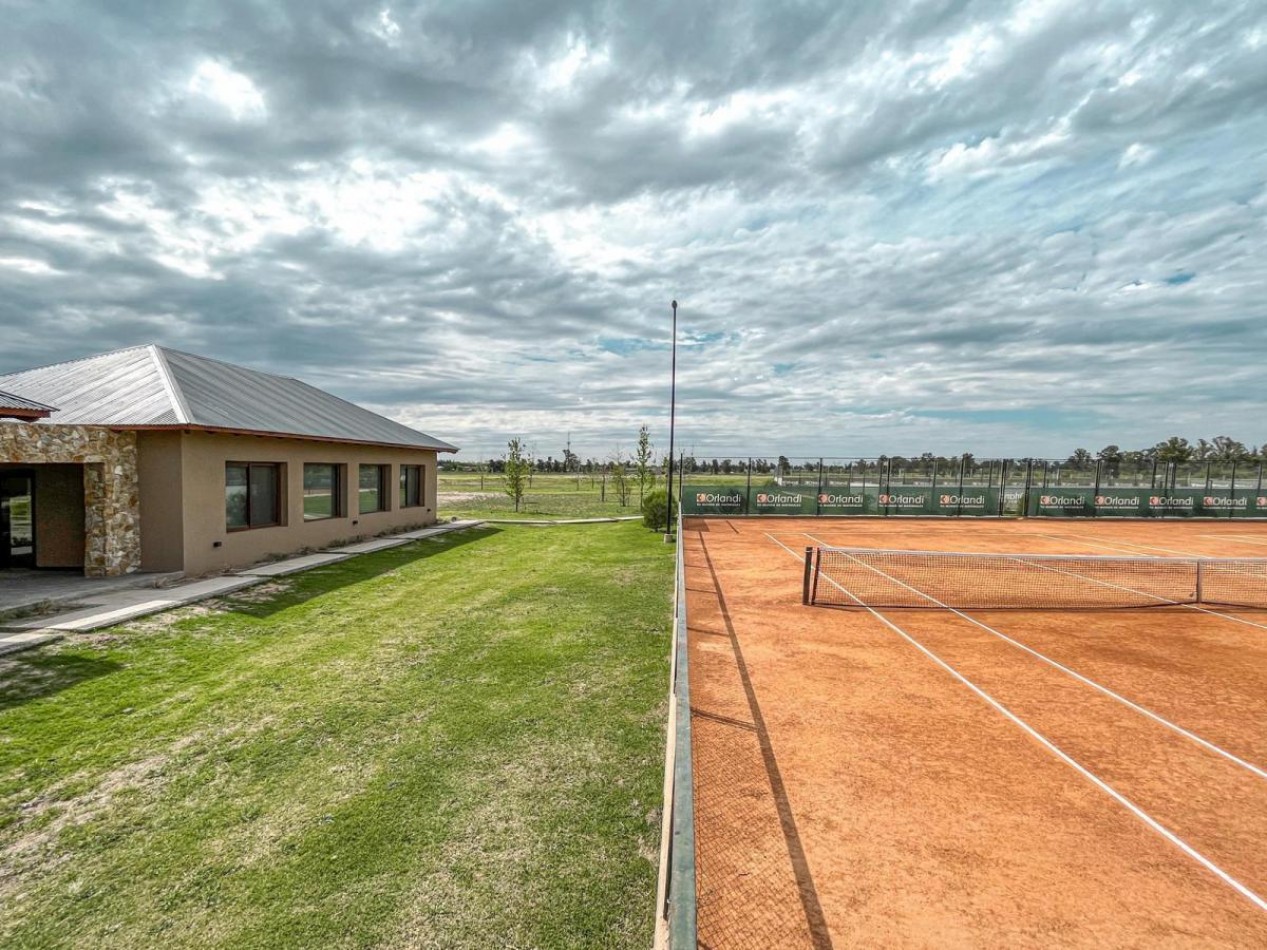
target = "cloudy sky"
x: 896, y: 227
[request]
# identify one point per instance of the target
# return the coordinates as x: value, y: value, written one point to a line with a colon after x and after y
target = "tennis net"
x: 855, y: 577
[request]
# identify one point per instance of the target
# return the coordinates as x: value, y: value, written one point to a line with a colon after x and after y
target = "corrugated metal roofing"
x: 10, y: 401
x: 155, y: 386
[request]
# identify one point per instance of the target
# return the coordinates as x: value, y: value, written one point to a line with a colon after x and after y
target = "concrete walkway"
x: 116, y: 605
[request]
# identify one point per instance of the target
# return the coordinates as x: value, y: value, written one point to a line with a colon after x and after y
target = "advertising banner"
x: 906, y: 501
x: 848, y: 501
x: 784, y: 501
x: 970, y: 501
x: 1121, y: 502
x: 1061, y: 502
x: 715, y: 500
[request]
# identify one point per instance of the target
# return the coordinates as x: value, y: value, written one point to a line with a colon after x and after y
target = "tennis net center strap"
x: 866, y: 577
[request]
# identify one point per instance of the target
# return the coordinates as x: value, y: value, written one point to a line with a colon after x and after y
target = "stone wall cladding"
x: 112, y: 510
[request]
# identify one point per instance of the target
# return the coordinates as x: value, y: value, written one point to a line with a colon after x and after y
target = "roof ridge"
x: 179, y: 405
x: 212, y: 359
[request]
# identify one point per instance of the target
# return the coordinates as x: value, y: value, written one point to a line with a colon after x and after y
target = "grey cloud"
x: 897, y: 243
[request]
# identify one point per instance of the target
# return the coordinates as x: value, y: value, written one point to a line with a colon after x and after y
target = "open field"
x: 552, y: 495
x: 1020, y: 778
x: 467, y: 495
x: 455, y: 743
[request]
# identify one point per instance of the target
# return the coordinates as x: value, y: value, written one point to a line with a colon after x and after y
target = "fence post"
x: 747, y: 494
x: 1096, y: 490
x: 1023, y: 508
x: 818, y: 505
x: 1231, y: 493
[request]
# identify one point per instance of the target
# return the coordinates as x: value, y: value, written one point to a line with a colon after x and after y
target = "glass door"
x: 17, y: 519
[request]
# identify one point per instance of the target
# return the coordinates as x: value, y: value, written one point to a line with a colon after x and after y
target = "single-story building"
x: 152, y: 459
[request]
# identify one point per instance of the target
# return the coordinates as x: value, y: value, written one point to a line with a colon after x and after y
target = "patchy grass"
x: 456, y: 743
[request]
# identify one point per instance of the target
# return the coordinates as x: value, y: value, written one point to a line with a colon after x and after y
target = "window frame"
x: 420, y: 486
x: 338, y: 491
x: 384, y: 494
x: 279, y: 494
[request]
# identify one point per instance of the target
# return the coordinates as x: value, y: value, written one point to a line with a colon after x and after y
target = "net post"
x: 1200, y: 565
x: 809, y: 572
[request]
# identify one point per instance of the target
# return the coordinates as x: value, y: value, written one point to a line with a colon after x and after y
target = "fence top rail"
x: 1022, y: 556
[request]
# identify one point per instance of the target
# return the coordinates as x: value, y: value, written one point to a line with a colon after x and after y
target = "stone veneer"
x: 112, y: 522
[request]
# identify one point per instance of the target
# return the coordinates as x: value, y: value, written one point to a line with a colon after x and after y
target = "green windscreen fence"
x: 967, y: 487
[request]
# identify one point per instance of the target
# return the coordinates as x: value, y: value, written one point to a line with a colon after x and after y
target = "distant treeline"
x: 1222, y: 450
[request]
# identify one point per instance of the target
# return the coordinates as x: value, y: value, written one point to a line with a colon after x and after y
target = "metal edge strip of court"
x: 1065, y: 757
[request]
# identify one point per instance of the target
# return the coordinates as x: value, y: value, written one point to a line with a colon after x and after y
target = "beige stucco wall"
x: 202, y: 460
x: 159, y: 466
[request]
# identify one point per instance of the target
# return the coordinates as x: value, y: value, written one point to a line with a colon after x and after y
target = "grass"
x: 455, y: 743
x: 466, y: 495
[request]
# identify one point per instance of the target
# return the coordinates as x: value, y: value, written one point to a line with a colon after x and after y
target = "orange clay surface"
x: 851, y: 791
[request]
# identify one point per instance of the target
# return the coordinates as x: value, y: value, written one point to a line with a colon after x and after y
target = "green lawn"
x: 456, y: 743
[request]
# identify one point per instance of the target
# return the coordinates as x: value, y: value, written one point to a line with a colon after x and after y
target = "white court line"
x: 1065, y: 757
x: 1196, y: 607
x: 1161, y: 720
x: 1125, y: 545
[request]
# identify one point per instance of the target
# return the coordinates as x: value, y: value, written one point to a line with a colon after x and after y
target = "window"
x: 373, y: 487
x: 252, y: 495
x: 323, y: 491
x: 411, y: 486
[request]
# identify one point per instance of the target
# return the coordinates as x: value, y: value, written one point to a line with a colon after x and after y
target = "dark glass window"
x: 411, y: 486
x: 373, y: 488
x: 252, y: 494
x: 323, y: 491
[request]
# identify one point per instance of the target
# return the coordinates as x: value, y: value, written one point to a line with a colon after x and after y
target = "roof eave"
x: 264, y: 434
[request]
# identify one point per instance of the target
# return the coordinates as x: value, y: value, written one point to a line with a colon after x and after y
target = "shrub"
x: 655, y: 510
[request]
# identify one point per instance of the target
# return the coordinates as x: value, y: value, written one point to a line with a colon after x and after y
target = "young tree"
x: 644, y: 462
x: 517, y: 470
x: 620, y: 479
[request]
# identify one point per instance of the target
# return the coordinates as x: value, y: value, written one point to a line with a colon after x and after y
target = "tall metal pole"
x: 668, y: 534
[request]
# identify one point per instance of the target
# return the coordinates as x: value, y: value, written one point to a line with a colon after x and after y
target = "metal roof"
x: 11, y: 405
x: 151, y: 385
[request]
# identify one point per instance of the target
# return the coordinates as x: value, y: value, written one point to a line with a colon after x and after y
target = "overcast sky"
x: 893, y: 227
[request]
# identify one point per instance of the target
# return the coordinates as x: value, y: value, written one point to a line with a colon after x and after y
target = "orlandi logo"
x: 1262, y: 501
x: 900, y: 500
x: 779, y: 500
x: 1116, y: 501
x: 841, y: 500
x: 1060, y: 501
x: 1215, y: 501
x: 963, y: 501
x: 717, y: 498
x: 1162, y: 501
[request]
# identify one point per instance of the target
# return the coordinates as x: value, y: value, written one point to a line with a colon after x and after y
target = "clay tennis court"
x: 920, y: 777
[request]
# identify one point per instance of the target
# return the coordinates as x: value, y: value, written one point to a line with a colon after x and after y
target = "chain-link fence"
x: 968, y: 486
